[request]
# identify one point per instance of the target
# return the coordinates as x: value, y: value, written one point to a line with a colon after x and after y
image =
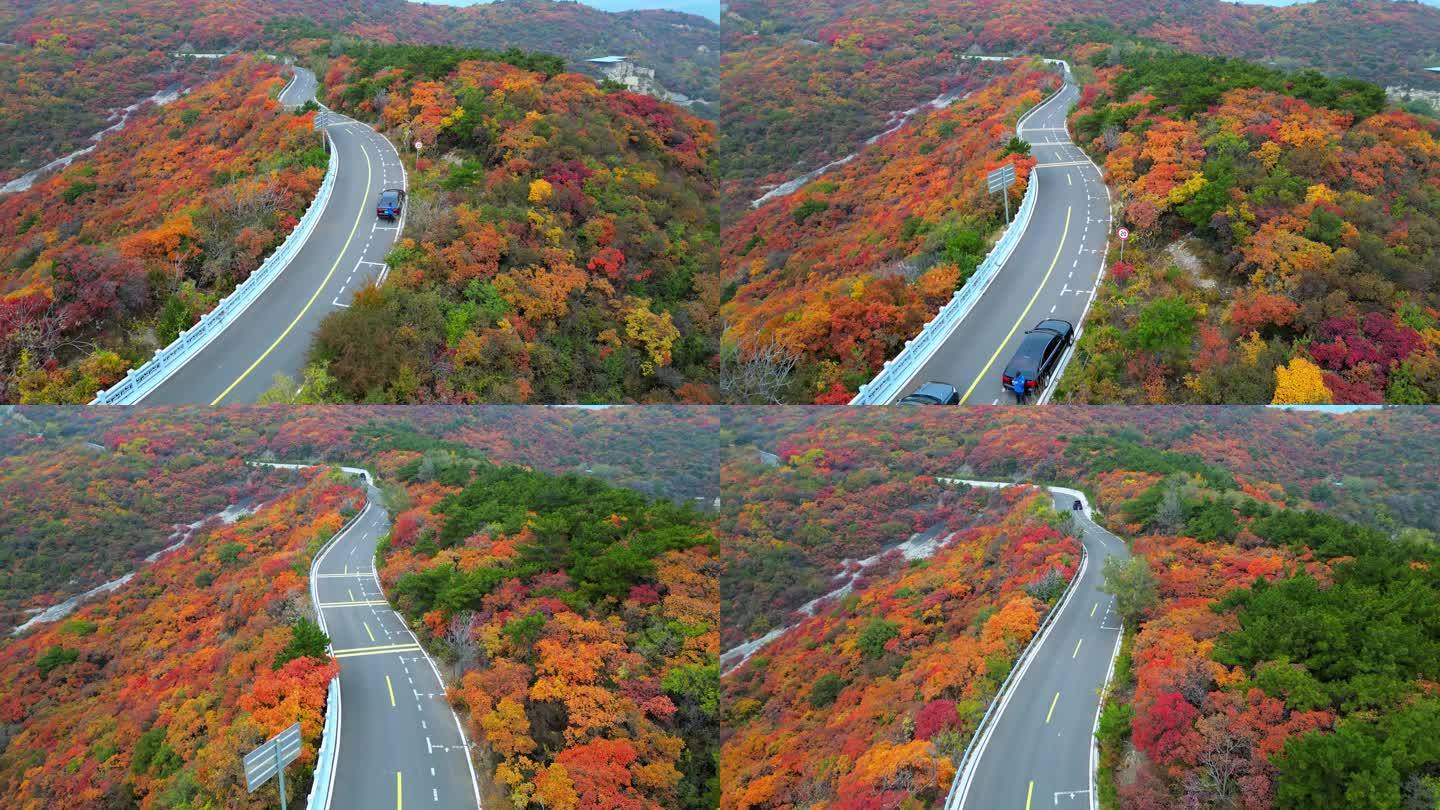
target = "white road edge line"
x: 1095, y: 729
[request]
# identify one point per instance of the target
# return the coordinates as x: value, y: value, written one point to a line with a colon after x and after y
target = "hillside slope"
x: 843, y: 271
x: 150, y: 696
x: 1282, y: 635
x: 74, y: 60
x: 580, y: 622
x: 560, y: 245
x: 576, y: 620
x: 869, y: 703
x: 835, y: 69
x: 1286, y: 238
x: 106, y: 511
x: 109, y: 259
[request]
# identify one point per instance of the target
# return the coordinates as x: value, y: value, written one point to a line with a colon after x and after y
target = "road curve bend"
x: 400, y: 744
x: 346, y: 249
x: 301, y: 89
x: 1053, y: 272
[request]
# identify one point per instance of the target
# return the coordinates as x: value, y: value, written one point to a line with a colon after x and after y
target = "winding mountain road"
x: 347, y: 249
x: 301, y: 89
x: 401, y: 745
x: 1053, y: 272
x: 1039, y: 750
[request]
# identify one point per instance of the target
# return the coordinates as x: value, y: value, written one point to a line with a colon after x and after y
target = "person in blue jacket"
x: 1017, y: 384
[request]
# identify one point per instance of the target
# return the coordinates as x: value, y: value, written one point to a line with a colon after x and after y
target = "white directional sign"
x: 1123, y: 233
x: 1003, y: 177
x: 1000, y: 180
x: 271, y: 758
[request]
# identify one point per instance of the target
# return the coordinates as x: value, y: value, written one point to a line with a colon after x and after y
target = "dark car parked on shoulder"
x: 392, y: 202
x: 1040, y: 351
x: 932, y: 393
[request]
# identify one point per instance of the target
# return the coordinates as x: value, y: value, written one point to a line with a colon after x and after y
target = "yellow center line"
x: 1077, y: 648
x: 1058, y: 250
x: 367, y: 631
x: 399, y: 800
x: 1053, y: 701
x: 1092, y: 609
x: 1069, y: 181
x: 352, y: 594
x: 338, y: 257
x: 1029, y: 793
x: 391, y: 689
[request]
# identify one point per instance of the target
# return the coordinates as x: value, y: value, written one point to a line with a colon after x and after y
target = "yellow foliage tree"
x: 1319, y: 192
x: 507, y: 729
x: 540, y: 190
x: 554, y: 790
x: 470, y: 350
x: 1186, y: 190
x: 1300, y: 383
x: 654, y: 333
x: 1268, y: 154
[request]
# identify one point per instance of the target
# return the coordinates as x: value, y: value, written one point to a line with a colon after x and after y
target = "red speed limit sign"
x: 1123, y: 233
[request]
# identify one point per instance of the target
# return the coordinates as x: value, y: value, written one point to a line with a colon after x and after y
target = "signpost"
x: 1123, y: 233
x: 1001, y: 180
x: 270, y: 759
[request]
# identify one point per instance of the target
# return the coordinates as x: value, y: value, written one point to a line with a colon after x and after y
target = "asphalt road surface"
x: 1037, y: 751
x: 401, y: 745
x: 347, y: 248
x: 300, y: 90
x: 1052, y: 273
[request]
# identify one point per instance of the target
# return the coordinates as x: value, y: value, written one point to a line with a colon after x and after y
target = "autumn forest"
x: 604, y: 404
x: 680, y: 607
x: 561, y: 565
x: 563, y: 232
x: 1274, y: 165
x: 1280, y: 633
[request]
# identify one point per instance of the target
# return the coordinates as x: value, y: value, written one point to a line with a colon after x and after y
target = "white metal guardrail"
x: 319, y: 798
x: 898, y: 370
x: 139, y: 382
x: 965, y: 769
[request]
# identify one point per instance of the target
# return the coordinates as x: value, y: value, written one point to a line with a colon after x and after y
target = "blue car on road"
x: 392, y: 202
